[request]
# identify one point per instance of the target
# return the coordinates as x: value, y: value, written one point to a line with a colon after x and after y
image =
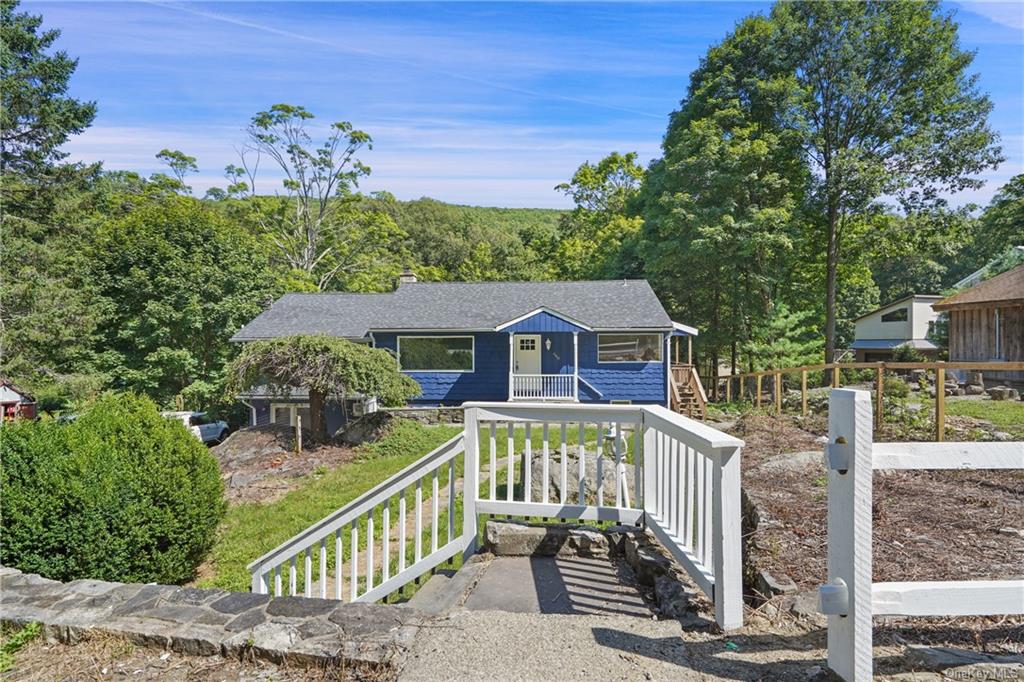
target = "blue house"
x: 598, y: 341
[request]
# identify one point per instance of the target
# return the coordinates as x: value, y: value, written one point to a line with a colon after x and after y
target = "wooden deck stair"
x: 686, y: 392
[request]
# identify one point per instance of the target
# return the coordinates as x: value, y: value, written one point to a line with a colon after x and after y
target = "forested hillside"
x: 790, y: 197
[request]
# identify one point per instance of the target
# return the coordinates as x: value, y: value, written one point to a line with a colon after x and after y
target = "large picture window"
x: 898, y: 315
x: 629, y: 348
x: 435, y: 353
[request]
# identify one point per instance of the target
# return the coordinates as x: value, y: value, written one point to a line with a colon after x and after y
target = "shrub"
x: 895, y: 387
x: 119, y: 494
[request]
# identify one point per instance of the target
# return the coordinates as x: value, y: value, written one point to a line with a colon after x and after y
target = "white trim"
x: 293, y: 410
x: 472, y: 351
x: 549, y: 311
x: 661, y: 350
x: 686, y: 329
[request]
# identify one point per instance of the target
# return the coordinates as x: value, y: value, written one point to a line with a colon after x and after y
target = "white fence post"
x: 470, y: 483
x: 649, y: 493
x: 727, y: 540
x: 847, y: 597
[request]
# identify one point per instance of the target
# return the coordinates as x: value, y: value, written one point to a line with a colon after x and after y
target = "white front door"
x: 526, y: 354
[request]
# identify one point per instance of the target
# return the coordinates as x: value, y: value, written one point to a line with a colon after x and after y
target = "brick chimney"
x: 407, y: 277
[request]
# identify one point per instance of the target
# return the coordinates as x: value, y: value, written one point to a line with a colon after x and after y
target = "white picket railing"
x: 543, y: 386
x: 685, y: 487
x: 395, y: 548
x: 850, y: 599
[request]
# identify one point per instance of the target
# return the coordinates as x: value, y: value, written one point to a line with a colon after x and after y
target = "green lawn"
x: 1006, y: 415
x: 250, y: 530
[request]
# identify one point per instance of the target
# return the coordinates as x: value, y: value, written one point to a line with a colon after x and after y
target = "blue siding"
x: 542, y: 322
x: 642, y: 382
x: 335, y: 415
x: 488, y: 381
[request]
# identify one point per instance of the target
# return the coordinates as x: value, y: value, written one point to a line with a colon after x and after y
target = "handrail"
x: 358, y: 506
x: 591, y: 386
x: 682, y: 481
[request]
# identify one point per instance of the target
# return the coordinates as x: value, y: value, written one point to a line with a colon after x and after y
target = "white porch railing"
x: 850, y: 599
x: 543, y: 386
x: 516, y: 461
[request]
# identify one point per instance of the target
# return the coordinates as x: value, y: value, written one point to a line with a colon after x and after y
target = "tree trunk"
x: 831, y: 267
x: 317, y: 416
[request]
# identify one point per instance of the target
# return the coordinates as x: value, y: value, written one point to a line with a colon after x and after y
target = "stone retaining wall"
x: 212, y: 622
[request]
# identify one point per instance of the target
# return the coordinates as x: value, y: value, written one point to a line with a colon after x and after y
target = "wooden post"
x: 757, y: 399
x: 835, y: 376
x: 879, y: 388
x: 849, y: 535
x: 728, y: 389
x: 298, y: 433
x: 803, y: 392
x: 689, y: 352
x: 940, y: 402
x: 778, y: 393
x: 677, y: 350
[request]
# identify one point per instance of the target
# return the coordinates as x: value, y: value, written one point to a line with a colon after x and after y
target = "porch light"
x: 547, y: 344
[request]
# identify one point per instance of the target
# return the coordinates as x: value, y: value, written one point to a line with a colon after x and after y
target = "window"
x: 528, y: 344
x: 285, y: 415
x: 898, y: 315
x: 629, y: 348
x: 435, y: 353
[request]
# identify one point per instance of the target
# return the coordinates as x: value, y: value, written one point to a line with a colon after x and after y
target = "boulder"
x: 510, y: 538
x: 974, y: 389
x: 1003, y: 393
x: 572, y: 470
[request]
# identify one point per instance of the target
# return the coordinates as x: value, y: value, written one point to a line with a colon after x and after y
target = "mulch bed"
x: 928, y: 525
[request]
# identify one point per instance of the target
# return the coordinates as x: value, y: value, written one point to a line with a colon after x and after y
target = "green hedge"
x: 119, y: 494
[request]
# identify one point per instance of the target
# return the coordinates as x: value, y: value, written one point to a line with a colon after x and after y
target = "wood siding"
x: 972, y: 336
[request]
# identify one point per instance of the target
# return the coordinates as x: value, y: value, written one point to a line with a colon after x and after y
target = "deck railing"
x: 543, y: 386
x: 621, y: 463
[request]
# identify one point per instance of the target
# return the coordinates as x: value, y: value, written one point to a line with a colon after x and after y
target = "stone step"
x: 447, y: 589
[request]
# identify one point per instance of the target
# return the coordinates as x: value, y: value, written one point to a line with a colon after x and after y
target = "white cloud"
x: 1009, y: 13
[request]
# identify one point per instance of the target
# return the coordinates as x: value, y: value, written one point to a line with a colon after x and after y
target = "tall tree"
x: 316, y: 226
x: 36, y: 115
x: 174, y: 280
x: 44, y: 319
x: 593, y: 235
x: 886, y: 107
x: 719, y: 206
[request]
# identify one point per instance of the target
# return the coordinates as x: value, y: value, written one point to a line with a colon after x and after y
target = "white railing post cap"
x: 835, y: 598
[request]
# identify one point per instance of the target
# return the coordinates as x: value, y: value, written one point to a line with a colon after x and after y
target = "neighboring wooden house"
x: 15, y: 403
x: 606, y: 341
x: 906, y: 322
x: 986, y: 322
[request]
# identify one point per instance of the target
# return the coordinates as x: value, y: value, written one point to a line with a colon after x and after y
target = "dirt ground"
x: 260, y: 464
x: 928, y: 525
x: 111, y: 658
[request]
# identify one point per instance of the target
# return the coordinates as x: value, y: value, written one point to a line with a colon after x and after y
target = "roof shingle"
x: 612, y: 304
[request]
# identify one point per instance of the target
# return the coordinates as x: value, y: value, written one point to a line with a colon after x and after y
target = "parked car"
x: 205, y: 429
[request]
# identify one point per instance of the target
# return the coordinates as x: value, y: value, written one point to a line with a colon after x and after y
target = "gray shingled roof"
x: 616, y: 304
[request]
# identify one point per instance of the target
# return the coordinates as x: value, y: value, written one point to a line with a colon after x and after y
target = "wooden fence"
x: 833, y: 372
x: 850, y: 599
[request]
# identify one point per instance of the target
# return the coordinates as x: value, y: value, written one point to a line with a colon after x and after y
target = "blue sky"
x: 490, y: 104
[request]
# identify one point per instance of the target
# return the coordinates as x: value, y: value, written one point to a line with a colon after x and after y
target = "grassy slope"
x: 250, y: 530
x: 1004, y: 414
